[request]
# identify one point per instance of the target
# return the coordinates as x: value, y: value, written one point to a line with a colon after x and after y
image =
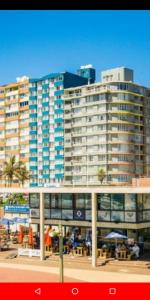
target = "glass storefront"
x: 128, y: 208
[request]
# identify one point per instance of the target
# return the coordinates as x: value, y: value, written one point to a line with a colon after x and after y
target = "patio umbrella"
x: 115, y: 236
x: 47, y: 238
x: 21, y: 234
x: 30, y: 236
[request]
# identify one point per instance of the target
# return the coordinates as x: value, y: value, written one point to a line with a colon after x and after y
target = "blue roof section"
x: 51, y: 75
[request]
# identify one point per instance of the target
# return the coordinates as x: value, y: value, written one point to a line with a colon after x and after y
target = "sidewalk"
x: 81, y: 274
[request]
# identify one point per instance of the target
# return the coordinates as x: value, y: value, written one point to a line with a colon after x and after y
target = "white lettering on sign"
x: 28, y: 252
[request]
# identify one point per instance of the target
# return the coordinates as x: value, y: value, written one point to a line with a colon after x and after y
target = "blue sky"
x: 35, y: 43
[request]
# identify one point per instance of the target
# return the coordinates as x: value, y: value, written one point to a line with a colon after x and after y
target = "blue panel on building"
x: 46, y: 158
x: 32, y: 89
x: 58, y: 101
x: 45, y: 149
x: 58, y: 83
x: 33, y: 167
x: 59, y: 147
x: 45, y: 131
x: 45, y: 95
x: 46, y: 176
x: 33, y: 124
x: 45, y: 113
x: 33, y: 132
x: 33, y: 115
x: 33, y: 159
x: 59, y: 139
x: 45, y: 122
x: 46, y: 167
x: 33, y: 141
x: 58, y: 111
x: 33, y: 106
x: 60, y: 166
x: 59, y: 175
x: 59, y: 156
x: 45, y: 104
x: 59, y: 92
x: 33, y: 149
x: 45, y: 86
x: 32, y: 97
x: 45, y: 140
x: 58, y: 120
x: 58, y: 129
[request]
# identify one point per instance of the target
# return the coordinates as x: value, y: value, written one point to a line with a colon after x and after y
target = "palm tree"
x: 10, y: 167
x: 22, y: 174
x: 101, y: 175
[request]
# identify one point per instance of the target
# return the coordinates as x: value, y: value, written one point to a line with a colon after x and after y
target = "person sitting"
x: 135, y: 250
x: 117, y: 250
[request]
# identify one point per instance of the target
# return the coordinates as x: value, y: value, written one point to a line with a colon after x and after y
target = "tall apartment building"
x: 14, y: 122
x: 107, y: 125
x: 47, y: 126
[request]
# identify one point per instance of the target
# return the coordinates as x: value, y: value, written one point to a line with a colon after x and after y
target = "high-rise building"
x: 47, y: 127
x: 88, y: 72
x: 107, y: 126
x: 14, y: 123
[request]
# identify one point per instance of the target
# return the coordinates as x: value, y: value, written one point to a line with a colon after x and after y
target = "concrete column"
x: 94, y: 230
x: 42, y: 249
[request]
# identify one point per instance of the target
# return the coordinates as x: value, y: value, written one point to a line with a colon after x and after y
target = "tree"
x: 13, y: 169
x: 10, y: 169
x: 23, y: 175
x: 101, y: 175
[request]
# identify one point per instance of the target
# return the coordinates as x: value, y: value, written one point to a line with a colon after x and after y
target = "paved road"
x: 29, y: 273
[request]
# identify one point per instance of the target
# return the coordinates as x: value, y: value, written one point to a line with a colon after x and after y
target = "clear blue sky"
x: 35, y: 43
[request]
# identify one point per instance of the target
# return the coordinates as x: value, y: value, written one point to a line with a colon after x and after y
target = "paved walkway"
x: 71, y: 273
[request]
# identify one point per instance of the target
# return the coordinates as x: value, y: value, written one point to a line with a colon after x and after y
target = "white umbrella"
x: 115, y: 236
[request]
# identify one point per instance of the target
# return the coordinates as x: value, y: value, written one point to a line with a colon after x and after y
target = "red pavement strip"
x: 14, y: 275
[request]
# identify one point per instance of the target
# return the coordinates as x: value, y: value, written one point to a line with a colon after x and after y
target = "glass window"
x: 56, y: 213
x: 140, y: 216
x: 140, y: 202
x: 66, y: 201
x: 80, y: 201
x: 117, y: 201
x: 47, y: 200
x: 88, y: 215
x: 146, y: 201
x: 88, y: 201
x: 34, y: 213
x: 34, y: 200
x: 103, y: 215
x: 104, y: 201
x: 47, y: 213
x: 117, y: 216
x: 56, y: 201
x: 130, y: 202
x: 146, y: 215
x: 130, y: 216
x: 67, y: 214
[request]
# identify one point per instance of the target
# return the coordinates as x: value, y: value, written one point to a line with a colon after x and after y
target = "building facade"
x: 107, y: 126
x: 46, y: 127
x: 123, y: 209
x: 14, y: 123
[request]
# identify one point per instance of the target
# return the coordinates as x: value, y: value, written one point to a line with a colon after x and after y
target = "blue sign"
x: 17, y: 209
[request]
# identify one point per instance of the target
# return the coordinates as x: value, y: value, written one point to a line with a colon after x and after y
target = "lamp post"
x: 61, y: 266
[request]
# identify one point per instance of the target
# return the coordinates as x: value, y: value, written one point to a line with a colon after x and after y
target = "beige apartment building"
x: 14, y: 122
x: 107, y: 126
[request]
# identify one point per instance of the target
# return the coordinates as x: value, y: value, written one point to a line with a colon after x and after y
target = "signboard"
x: 28, y: 252
x: 17, y: 209
x: 79, y: 214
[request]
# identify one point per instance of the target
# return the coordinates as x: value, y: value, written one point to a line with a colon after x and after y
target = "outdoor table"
x: 80, y: 251
x: 122, y: 254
